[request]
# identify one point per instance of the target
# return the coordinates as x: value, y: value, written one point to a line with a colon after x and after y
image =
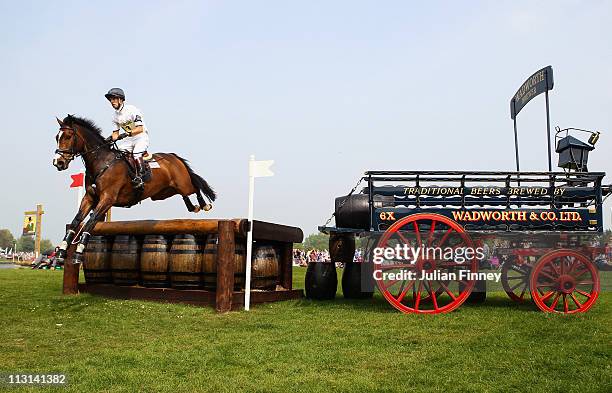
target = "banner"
x: 29, y: 224
x: 78, y: 180
x: 260, y: 168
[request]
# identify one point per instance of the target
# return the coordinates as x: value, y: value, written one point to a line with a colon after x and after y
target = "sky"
x: 327, y: 89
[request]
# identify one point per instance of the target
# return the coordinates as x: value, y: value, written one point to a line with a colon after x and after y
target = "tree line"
x: 24, y: 243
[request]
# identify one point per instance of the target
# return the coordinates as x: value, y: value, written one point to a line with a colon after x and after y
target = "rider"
x: 130, y: 119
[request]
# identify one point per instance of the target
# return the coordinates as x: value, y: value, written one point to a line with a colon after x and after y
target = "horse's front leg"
x: 96, y: 216
x: 86, y: 205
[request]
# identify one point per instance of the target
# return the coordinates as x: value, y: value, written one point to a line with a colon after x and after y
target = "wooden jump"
x: 224, y: 298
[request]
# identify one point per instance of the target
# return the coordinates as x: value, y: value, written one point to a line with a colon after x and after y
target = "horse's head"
x: 69, y: 145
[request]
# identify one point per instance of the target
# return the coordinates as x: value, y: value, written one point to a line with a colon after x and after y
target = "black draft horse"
x: 108, y: 180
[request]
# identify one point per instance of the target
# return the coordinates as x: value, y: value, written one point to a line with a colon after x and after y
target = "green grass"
x: 128, y: 346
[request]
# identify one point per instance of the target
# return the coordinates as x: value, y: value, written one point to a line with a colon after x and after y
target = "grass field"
x: 134, y: 346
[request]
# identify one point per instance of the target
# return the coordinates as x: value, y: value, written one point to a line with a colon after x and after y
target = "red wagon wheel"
x: 564, y: 281
x: 419, y: 293
x: 515, y: 280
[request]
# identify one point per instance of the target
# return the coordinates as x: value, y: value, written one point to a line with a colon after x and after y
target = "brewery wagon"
x: 545, y: 229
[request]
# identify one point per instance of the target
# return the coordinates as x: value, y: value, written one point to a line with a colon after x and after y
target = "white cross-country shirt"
x: 127, y: 118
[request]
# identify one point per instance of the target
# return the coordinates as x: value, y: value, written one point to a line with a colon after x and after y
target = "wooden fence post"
x: 225, y: 266
x: 71, y: 273
x: 286, y: 265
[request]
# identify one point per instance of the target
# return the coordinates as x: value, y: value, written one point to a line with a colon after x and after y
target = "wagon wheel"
x: 431, y: 295
x: 515, y: 280
x: 564, y: 281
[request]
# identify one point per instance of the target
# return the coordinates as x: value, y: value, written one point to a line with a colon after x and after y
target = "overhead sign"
x: 536, y: 84
x: 29, y: 223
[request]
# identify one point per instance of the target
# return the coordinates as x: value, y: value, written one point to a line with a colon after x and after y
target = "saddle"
x: 133, y: 166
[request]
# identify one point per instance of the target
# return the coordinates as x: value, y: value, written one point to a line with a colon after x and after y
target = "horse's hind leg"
x: 190, y: 206
x: 202, y: 202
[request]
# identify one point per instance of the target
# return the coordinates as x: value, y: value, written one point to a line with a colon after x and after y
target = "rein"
x: 72, y: 154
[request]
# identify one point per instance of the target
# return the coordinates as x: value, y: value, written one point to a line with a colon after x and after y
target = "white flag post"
x: 79, y: 196
x: 256, y: 169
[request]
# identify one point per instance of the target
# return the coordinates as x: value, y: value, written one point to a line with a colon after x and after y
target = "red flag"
x: 78, y: 180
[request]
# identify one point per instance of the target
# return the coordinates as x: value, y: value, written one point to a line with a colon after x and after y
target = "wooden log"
x: 195, y: 297
x: 275, y: 232
x: 164, y: 227
x: 225, y: 266
x: 261, y: 230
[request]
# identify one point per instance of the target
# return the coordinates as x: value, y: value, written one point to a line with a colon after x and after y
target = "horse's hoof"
x: 196, y: 209
x: 207, y: 207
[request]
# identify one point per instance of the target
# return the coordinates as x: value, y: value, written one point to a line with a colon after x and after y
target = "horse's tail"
x: 197, y: 181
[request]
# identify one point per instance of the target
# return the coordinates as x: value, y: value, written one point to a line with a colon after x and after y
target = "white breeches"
x: 136, y: 144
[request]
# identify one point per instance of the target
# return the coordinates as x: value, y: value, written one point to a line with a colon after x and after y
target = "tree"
x: 25, y: 243
x: 319, y: 241
x: 7, y: 240
x: 46, y: 247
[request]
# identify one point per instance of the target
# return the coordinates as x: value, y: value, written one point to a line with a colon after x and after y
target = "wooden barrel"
x: 265, y: 268
x: 125, y: 260
x: 154, y: 262
x: 185, y: 262
x: 239, y: 265
x: 209, y: 263
x: 97, y: 264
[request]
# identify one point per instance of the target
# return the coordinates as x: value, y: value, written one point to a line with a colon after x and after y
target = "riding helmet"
x: 115, y: 92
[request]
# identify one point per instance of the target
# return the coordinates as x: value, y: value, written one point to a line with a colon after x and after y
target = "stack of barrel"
x: 180, y: 262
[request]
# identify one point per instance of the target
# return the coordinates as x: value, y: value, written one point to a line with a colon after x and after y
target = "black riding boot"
x: 138, y: 181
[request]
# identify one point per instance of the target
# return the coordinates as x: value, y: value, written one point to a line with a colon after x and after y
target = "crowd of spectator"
x: 302, y: 257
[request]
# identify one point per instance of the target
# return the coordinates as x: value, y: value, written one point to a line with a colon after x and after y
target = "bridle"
x: 71, y: 154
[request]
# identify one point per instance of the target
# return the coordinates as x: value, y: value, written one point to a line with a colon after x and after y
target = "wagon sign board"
x: 536, y: 84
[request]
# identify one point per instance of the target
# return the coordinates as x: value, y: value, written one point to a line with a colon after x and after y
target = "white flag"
x: 260, y: 168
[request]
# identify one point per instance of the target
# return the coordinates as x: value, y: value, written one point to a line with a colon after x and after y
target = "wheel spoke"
x: 523, y: 291
x: 554, y: 267
x: 516, y: 286
x: 547, y: 296
x: 448, y: 232
x: 565, y: 305
x: 432, y: 293
x: 523, y: 277
x: 417, y: 299
x: 390, y: 283
x: 583, y: 293
x: 585, y: 270
x: 417, y: 233
x: 542, y: 272
x: 402, y: 238
x: 555, y: 301
x: 572, y: 266
x: 576, y: 300
x: 431, y: 232
x: 447, y: 290
x: 406, y: 289
x: 588, y: 282
x: 562, y: 262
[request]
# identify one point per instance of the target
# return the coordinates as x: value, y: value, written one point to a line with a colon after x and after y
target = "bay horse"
x: 108, y: 182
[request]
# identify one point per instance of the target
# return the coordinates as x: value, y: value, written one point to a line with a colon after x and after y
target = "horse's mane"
x: 90, y: 128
